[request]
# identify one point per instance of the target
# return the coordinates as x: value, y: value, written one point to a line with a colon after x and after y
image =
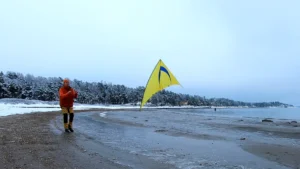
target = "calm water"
x: 276, y: 113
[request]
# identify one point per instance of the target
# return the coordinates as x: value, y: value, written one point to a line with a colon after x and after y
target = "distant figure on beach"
x: 215, y: 109
x: 66, y: 99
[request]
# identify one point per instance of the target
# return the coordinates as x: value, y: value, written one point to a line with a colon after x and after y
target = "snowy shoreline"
x: 21, y: 106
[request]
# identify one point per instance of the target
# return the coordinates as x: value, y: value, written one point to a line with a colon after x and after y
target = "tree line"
x: 17, y: 85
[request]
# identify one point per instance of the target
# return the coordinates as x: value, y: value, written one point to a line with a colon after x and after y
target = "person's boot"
x: 70, y: 127
x: 66, y: 128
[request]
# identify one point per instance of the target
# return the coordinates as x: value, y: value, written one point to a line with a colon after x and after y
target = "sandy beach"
x: 28, y: 141
x: 37, y: 140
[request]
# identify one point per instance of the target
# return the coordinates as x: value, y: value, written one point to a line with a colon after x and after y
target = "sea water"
x: 275, y: 113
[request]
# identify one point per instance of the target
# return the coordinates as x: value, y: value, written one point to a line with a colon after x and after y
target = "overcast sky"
x: 243, y: 50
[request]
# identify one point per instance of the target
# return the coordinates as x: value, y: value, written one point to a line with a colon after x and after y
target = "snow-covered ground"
x: 21, y: 106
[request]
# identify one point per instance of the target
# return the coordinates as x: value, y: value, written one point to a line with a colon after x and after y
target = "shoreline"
x: 37, y: 140
x: 275, y: 142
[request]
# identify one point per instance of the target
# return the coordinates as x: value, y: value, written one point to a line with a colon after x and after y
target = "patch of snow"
x: 22, y: 106
x: 111, y: 107
x: 10, y: 109
x: 27, y: 102
x: 102, y: 114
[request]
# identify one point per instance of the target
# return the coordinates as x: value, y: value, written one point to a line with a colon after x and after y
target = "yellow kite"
x: 160, y: 79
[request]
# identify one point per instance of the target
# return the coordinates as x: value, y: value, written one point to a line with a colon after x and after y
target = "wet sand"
x: 223, y: 142
x: 286, y: 155
x: 37, y: 141
x: 28, y: 141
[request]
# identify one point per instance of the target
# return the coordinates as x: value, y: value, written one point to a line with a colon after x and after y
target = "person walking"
x: 66, y: 99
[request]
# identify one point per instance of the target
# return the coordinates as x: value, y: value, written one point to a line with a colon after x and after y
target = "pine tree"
x: 3, y: 87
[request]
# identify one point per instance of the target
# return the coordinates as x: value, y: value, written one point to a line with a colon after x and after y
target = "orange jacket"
x: 67, y: 99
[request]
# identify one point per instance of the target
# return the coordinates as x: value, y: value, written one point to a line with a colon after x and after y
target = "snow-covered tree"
x: 16, y: 85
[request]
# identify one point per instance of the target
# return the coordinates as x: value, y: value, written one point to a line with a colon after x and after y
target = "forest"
x: 17, y: 85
